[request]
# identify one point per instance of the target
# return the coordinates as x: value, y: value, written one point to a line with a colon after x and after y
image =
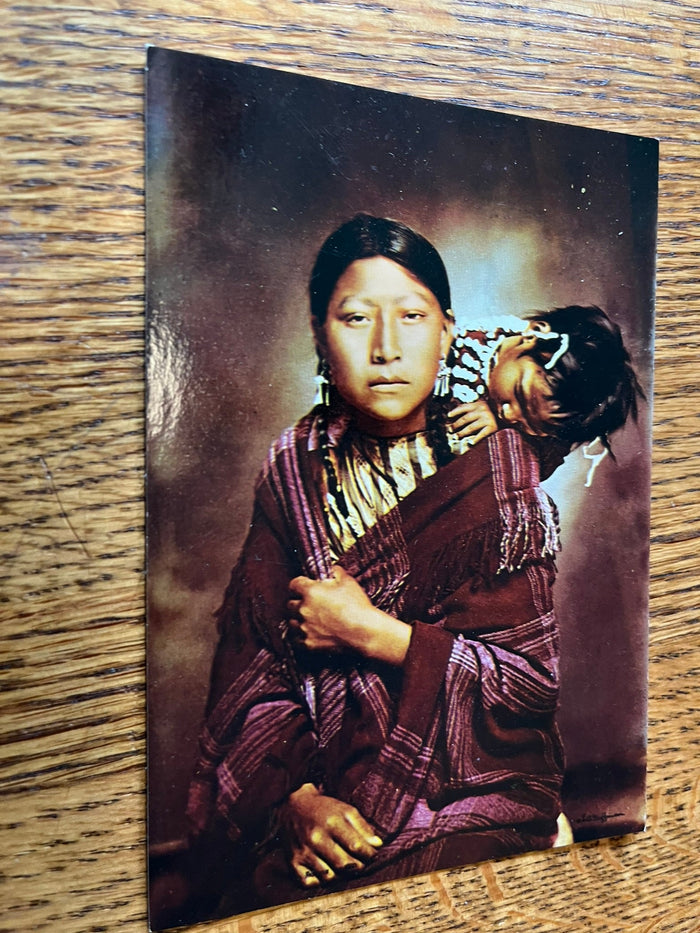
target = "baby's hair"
x: 593, y: 385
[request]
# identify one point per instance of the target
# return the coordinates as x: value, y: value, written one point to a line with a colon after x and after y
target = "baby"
x: 563, y: 378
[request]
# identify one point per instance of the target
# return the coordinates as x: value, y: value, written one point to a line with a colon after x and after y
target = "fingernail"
x: 375, y: 841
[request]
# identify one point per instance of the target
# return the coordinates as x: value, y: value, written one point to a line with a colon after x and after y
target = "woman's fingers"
x: 360, y: 824
x: 294, y: 618
x: 348, y: 841
x: 299, y: 585
x: 305, y: 876
x: 338, y: 854
x: 311, y: 870
x: 356, y: 836
x: 325, y: 836
x: 342, y: 839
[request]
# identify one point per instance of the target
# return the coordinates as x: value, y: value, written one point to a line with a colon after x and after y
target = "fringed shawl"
x: 464, y: 737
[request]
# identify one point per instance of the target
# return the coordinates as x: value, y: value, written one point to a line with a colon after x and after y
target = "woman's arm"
x: 337, y: 615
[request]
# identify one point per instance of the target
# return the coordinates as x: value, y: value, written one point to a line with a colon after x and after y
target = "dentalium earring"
x: 442, y: 380
x: 323, y: 384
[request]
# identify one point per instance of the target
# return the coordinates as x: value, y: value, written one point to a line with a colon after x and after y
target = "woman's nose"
x: 385, y: 340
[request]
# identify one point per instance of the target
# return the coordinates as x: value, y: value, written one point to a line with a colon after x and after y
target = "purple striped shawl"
x: 463, y: 740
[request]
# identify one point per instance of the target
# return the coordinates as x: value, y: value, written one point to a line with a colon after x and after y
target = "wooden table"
x: 73, y: 776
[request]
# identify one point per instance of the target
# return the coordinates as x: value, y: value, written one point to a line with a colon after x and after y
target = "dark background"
x: 248, y: 171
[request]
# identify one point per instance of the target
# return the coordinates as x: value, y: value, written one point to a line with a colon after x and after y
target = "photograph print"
x: 399, y: 382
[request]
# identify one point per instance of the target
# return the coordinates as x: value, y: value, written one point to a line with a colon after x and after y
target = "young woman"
x: 383, y: 696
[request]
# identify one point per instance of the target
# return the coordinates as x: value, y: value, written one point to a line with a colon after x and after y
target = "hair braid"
x: 334, y: 487
x: 436, y: 429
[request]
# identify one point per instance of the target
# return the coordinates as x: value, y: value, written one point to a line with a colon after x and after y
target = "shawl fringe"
x: 530, y: 530
x: 518, y: 537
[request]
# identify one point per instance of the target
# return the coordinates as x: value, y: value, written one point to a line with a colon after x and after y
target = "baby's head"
x: 568, y: 376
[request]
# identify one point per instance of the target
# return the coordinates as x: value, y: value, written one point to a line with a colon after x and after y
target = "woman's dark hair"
x: 593, y: 384
x: 364, y: 237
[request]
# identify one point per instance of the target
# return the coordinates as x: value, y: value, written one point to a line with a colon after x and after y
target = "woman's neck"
x: 388, y: 430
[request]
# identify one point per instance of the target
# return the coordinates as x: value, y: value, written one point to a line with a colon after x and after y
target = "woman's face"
x: 383, y: 338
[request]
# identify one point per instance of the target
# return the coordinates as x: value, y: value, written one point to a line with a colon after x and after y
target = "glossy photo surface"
x: 248, y: 172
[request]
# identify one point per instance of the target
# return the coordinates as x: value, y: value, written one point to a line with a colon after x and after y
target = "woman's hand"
x: 324, y: 836
x: 337, y: 615
x: 472, y: 421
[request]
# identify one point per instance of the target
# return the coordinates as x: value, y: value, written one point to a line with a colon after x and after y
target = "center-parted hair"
x: 364, y: 237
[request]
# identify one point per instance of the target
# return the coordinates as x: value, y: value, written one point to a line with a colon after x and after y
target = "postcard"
x: 399, y: 382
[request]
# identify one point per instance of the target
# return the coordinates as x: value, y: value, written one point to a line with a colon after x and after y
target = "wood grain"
x: 71, y: 272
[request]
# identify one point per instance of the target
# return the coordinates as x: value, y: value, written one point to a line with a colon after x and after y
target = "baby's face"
x: 518, y: 385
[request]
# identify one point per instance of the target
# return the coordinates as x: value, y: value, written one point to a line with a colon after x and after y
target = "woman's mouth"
x: 387, y: 383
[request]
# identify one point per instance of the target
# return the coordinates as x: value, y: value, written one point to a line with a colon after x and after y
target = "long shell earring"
x: 442, y: 380
x: 323, y: 384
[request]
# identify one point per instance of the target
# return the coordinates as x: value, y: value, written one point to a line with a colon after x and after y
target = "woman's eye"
x: 413, y: 315
x: 356, y: 318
